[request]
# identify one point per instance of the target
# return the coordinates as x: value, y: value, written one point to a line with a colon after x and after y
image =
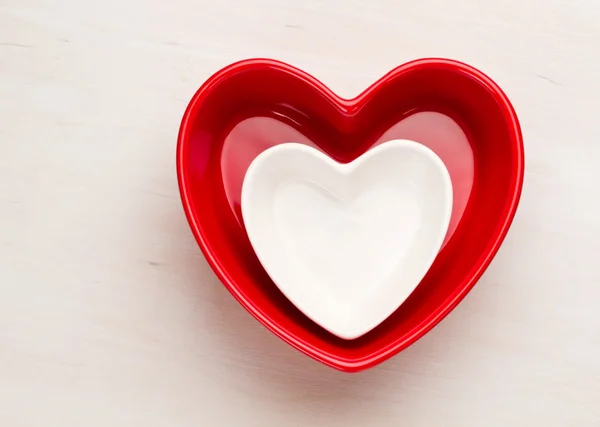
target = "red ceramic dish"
x: 449, y: 106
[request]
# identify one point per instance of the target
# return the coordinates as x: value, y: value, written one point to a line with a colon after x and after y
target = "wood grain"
x: 110, y: 316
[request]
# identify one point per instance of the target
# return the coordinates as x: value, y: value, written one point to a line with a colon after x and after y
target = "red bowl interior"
x: 451, y: 107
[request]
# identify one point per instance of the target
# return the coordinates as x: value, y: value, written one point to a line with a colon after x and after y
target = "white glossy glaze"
x: 347, y: 243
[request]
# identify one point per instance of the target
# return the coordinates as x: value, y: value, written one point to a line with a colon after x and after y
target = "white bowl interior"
x: 347, y: 243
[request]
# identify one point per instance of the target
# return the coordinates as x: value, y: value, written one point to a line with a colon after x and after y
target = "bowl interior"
x: 250, y: 106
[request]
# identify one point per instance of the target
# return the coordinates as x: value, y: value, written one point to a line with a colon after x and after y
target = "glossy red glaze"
x: 453, y: 108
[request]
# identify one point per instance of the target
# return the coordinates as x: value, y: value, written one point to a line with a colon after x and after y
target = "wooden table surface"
x: 109, y: 315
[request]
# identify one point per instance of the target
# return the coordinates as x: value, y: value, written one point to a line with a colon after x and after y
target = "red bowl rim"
x: 392, y: 348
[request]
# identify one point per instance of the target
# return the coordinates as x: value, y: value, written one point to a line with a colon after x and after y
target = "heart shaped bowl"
x: 323, y: 229
x: 452, y: 108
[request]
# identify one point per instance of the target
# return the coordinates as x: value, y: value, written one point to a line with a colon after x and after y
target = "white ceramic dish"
x: 347, y: 243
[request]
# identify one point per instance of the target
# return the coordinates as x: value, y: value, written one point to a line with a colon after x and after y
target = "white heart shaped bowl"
x: 347, y: 243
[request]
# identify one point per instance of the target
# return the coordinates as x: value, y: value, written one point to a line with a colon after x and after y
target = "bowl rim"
x: 436, y: 316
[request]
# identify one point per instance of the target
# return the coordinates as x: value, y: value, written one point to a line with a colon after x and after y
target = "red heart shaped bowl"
x: 449, y: 106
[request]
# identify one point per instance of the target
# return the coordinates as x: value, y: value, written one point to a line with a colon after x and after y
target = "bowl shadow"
x: 266, y: 358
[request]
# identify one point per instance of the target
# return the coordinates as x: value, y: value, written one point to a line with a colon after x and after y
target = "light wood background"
x: 109, y: 315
